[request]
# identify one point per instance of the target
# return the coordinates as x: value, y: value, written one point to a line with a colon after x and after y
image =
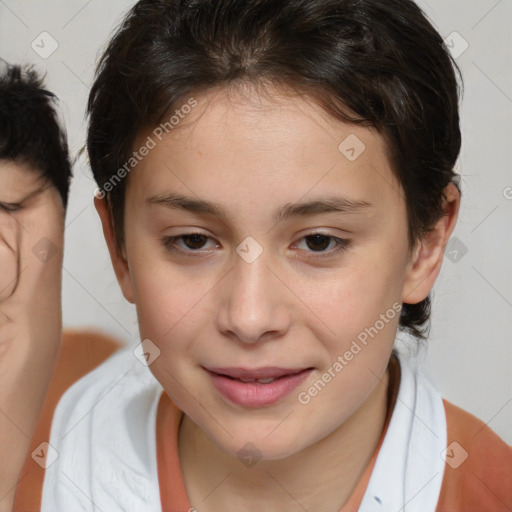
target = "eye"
x: 10, y: 207
x: 193, y: 242
x: 320, y: 243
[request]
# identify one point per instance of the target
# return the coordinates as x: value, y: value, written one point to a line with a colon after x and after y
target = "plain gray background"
x: 469, y: 355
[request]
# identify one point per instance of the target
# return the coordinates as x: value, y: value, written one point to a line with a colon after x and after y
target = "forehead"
x: 17, y: 179
x: 263, y: 147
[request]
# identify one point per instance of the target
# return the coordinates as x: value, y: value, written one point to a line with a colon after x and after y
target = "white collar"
x: 104, y: 432
x: 417, y: 435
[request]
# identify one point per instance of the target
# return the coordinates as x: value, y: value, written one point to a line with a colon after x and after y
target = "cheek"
x: 348, y: 301
x: 168, y: 301
x: 161, y: 304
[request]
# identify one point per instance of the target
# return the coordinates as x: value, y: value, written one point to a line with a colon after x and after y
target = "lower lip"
x: 254, y: 394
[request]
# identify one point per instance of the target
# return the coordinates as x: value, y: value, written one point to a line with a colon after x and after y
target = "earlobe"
x: 427, y: 257
x: 119, y: 261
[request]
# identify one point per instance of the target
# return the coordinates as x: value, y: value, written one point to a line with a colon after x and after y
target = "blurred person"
x: 35, y: 173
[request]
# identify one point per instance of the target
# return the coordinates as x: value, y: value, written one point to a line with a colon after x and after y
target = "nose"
x: 254, y: 304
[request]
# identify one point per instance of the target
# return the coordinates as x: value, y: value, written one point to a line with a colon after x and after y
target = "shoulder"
x: 478, y: 468
x: 81, y: 352
x: 121, y: 381
x: 103, y: 431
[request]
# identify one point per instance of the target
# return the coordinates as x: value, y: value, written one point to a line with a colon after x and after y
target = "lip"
x: 265, y: 372
x: 254, y: 394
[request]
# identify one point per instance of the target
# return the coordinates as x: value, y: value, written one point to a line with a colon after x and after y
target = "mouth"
x: 257, y: 387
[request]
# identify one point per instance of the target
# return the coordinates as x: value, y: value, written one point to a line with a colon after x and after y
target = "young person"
x: 34, y: 181
x: 276, y: 189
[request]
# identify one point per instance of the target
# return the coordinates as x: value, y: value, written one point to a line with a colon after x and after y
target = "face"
x: 16, y: 182
x: 266, y: 240
x: 31, y: 240
x: 29, y: 209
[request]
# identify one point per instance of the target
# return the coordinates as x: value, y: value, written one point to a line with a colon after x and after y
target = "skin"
x: 30, y: 310
x: 251, y: 154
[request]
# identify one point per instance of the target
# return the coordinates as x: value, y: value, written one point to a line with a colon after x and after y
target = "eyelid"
x: 341, y: 244
x: 169, y: 243
x: 10, y: 207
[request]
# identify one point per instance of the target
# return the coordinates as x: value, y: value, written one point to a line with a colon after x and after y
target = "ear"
x: 119, y: 262
x: 427, y: 258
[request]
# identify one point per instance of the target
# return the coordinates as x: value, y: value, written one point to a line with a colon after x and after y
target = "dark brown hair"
x: 30, y: 131
x: 377, y: 63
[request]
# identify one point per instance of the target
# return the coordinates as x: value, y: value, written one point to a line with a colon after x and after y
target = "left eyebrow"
x: 332, y: 204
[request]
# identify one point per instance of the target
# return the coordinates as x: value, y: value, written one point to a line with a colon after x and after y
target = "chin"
x: 256, y: 443
x: 251, y: 453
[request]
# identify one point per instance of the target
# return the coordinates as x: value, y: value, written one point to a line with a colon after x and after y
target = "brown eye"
x: 322, y: 245
x: 188, y: 244
x: 194, y: 241
x: 318, y: 242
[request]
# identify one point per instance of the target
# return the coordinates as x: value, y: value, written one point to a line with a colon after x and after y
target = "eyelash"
x: 342, y: 244
x: 10, y: 208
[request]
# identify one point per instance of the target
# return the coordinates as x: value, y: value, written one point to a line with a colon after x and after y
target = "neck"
x: 320, y: 477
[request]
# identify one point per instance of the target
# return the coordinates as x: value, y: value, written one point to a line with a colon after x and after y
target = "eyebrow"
x: 331, y: 204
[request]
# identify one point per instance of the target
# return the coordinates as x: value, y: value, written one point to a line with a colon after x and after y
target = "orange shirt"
x: 483, y: 480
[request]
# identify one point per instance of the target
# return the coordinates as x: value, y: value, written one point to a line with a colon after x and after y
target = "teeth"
x: 261, y: 381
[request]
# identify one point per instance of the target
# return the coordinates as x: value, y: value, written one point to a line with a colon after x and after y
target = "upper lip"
x: 267, y: 372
